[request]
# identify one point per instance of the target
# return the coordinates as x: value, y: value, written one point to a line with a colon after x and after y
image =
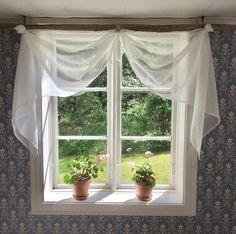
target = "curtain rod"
x: 135, y: 27
x: 136, y: 24
x: 147, y: 28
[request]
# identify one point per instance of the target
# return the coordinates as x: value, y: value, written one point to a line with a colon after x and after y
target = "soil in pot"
x: 80, y: 189
x: 144, y: 193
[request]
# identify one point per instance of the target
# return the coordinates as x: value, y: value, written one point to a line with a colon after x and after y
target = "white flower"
x: 131, y: 164
x: 129, y: 150
x: 148, y: 154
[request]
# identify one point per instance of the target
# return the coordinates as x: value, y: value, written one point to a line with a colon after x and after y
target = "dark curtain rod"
x: 135, y: 27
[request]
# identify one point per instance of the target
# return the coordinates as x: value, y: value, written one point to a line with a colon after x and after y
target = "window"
x: 81, y: 127
x: 117, y: 119
x: 140, y: 120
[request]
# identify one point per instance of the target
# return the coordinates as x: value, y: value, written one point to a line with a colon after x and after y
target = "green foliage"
x: 142, y: 146
x: 145, y: 114
x: 81, y: 168
x: 129, y: 77
x: 73, y: 147
x: 83, y: 115
x: 145, y: 174
x: 101, y: 80
x: 142, y: 114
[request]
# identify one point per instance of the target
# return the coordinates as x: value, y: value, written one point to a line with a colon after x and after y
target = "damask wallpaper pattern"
x: 216, y: 195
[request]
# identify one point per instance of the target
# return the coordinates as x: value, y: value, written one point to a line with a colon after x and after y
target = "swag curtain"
x: 182, y: 62
x: 54, y: 63
x: 175, y: 65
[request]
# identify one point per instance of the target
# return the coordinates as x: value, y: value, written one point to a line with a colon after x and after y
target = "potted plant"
x: 81, y: 170
x: 145, y: 180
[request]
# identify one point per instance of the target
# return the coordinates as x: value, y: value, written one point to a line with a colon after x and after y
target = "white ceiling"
x: 117, y: 8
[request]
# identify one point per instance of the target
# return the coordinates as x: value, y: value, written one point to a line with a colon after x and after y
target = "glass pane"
x: 138, y: 152
x: 129, y: 79
x: 71, y: 148
x: 100, y: 81
x: 145, y: 114
x: 83, y: 115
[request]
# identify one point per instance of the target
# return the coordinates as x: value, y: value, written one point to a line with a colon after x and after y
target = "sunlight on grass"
x: 160, y: 163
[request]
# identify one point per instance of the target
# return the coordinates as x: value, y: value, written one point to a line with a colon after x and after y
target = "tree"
x: 142, y: 114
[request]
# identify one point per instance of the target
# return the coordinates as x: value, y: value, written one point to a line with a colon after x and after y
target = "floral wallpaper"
x: 216, y: 195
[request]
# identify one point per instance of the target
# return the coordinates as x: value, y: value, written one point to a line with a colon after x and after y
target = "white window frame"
x: 179, y: 200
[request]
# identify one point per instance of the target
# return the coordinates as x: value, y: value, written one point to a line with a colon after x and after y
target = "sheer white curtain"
x: 54, y: 63
x: 176, y: 65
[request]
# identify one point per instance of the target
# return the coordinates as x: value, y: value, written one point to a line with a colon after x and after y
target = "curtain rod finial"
x: 20, y: 29
x: 209, y: 28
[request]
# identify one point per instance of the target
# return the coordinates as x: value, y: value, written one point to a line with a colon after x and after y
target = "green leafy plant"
x: 81, y: 168
x: 145, y: 174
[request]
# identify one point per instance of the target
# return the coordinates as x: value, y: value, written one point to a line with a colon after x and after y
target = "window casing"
x: 177, y: 199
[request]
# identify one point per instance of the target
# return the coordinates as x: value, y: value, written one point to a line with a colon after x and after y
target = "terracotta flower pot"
x: 144, y: 193
x: 80, y: 189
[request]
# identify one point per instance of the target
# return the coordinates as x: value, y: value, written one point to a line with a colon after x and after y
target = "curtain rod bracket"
x: 118, y: 28
x: 203, y: 20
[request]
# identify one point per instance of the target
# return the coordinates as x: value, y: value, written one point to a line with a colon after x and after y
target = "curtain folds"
x: 54, y: 63
x: 175, y: 65
x: 178, y: 66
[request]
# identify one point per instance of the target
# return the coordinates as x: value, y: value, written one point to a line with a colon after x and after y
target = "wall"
x: 216, y: 196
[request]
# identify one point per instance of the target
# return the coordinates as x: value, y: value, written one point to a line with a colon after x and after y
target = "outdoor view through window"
x: 144, y: 129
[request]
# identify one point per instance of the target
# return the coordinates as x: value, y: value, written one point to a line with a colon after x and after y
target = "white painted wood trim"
x: 179, y: 201
x: 118, y: 111
x: 142, y: 89
x: 120, y: 202
x: 143, y: 138
x: 81, y: 137
x: 95, y: 89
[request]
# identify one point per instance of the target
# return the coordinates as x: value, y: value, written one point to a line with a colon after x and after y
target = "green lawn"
x: 160, y: 163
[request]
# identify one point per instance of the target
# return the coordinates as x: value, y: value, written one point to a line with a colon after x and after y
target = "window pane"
x: 83, y: 115
x: 145, y: 114
x: 138, y: 152
x: 100, y: 81
x: 129, y: 79
x: 71, y: 148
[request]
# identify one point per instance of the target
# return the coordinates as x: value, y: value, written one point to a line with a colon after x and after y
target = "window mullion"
x: 55, y: 143
x: 114, y: 118
x: 152, y: 138
x: 75, y: 137
x: 111, y: 117
x: 110, y: 72
x: 118, y: 111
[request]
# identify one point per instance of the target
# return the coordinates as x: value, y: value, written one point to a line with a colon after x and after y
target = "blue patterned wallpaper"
x: 216, y: 195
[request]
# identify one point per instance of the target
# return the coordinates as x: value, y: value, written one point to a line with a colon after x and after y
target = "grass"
x: 160, y: 163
